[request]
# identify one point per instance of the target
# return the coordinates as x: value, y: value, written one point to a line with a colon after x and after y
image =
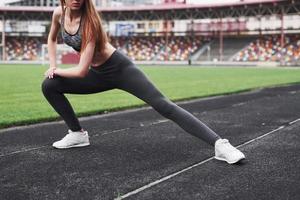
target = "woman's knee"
x: 49, y: 85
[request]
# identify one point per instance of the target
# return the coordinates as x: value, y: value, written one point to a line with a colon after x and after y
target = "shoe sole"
x: 232, y: 162
x: 72, y: 146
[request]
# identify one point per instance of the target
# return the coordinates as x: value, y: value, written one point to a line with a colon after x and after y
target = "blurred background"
x: 220, y: 32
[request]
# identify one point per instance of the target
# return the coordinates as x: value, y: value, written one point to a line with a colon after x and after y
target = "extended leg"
x: 135, y: 82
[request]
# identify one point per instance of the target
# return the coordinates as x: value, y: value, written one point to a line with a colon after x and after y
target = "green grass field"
x: 22, y: 102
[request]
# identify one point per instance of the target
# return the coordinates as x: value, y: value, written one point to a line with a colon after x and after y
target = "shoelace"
x: 67, y: 136
x: 225, y: 143
x: 68, y: 139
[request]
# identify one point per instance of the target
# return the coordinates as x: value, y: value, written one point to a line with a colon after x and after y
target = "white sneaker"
x: 73, y: 139
x: 226, y: 152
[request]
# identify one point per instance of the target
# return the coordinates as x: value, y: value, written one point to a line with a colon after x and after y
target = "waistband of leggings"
x: 115, y: 58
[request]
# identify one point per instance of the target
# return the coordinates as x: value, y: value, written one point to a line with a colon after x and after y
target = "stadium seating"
x: 268, y: 48
x: 177, y: 48
x: 23, y: 48
x: 292, y: 50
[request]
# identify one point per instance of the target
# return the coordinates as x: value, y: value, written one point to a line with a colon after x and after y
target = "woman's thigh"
x: 134, y: 81
x: 91, y: 83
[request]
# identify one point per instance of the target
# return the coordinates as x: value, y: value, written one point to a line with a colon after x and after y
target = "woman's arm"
x: 85, y: 59
x: 52, y: 37
x: 52, y: 40
x: 82, y: 68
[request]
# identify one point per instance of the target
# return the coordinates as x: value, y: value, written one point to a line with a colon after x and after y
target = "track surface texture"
x: 138, y: 154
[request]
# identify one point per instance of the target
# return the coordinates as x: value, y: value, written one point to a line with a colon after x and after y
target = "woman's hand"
x: 50, y: 72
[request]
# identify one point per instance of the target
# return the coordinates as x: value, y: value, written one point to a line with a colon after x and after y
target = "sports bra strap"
x: 63, y: 20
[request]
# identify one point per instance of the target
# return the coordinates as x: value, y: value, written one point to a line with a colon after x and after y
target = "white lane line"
x: 161, y: 180
x: 21, y: 151
x: 124, y: 129
x: 93, y: 136
x: 262, y: 136
x: 294, y: 121
x: 86, y: 118
x: 41, y: 147
x: 193, y: 166
x: 112, y: 131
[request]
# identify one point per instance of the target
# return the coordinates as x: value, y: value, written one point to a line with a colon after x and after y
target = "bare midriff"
x: 99, y: 59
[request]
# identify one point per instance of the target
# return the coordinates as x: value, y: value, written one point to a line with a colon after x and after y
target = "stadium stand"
x: 248, y: 48
x: 175, y: 48
x: 178, y: 48
x: 268, y: 48
x: 23, y: 48
x: 229, y: 48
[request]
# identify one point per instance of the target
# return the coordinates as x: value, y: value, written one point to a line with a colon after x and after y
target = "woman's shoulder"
x: 57, y: 13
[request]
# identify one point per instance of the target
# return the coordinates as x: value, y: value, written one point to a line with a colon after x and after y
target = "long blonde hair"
x: 92, y: 26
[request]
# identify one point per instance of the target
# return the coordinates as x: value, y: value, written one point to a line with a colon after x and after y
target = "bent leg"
x: 54, y: 90
x: 135, y: 82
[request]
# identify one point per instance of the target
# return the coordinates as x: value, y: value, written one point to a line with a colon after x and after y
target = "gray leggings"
x: 118, y: 72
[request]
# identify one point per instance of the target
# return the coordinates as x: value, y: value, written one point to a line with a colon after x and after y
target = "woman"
x: 101, y: 68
